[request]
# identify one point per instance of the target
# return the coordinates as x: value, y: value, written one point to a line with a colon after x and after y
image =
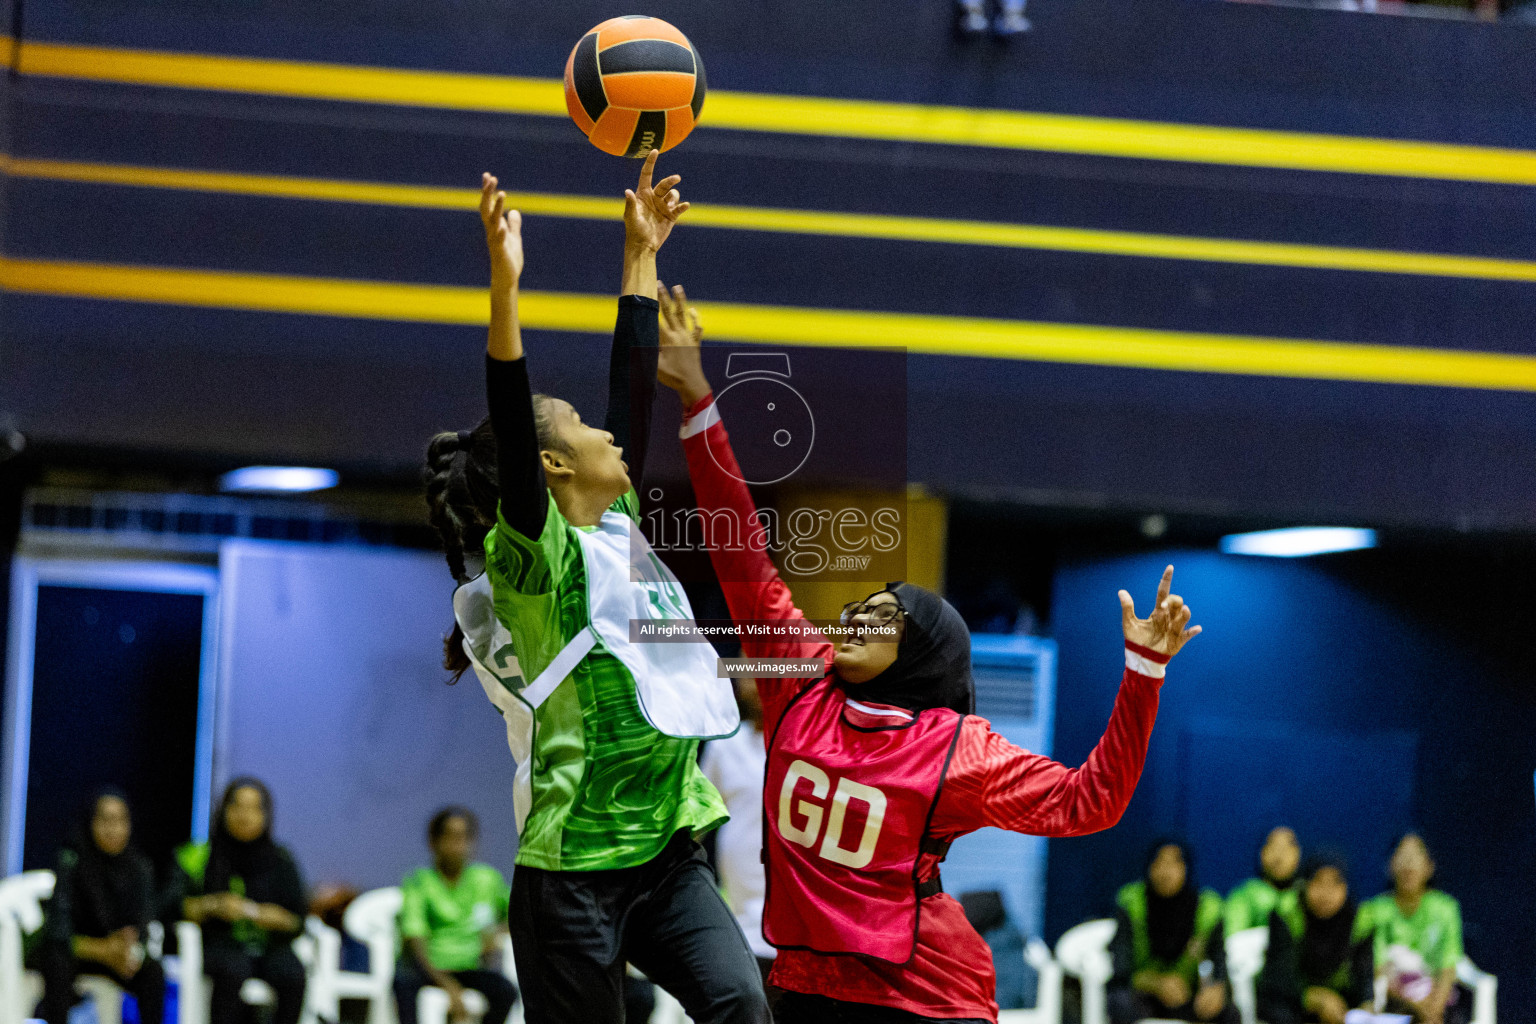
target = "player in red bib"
x: 875, y: 767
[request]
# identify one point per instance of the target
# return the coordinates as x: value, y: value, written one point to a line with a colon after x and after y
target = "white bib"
x: 489, y: 647
x: 676, y: 683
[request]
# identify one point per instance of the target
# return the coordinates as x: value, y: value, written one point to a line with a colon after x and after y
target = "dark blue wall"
x: 1351, y: 697
x: 362, y: 395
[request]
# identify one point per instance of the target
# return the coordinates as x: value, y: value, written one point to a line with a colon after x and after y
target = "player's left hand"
x: 1164, y: 630
x: 651, y: 210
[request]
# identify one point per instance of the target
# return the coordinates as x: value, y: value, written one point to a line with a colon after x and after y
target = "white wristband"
x: 700, y: 421
x: 1143, y: 666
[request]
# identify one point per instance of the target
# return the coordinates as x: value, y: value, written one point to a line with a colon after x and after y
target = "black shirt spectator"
x: 98, y: 918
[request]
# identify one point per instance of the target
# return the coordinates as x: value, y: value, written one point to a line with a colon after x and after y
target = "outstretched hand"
x: 1167, y: 628
x: 651, y: 210
x: 503, y: 234
x: 678, y: 365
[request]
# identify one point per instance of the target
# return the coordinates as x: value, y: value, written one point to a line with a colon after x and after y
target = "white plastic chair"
x: 1245, y: 959
x: 21, y: 911
x: 194, y: 993
x: 1485, y: 991
x: 370, y: 919
x: 1047, y: 1008
x: 1083, y: 952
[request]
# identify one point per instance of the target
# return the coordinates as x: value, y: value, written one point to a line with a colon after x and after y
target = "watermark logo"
x: 819, y: 438
x: 761, y: 397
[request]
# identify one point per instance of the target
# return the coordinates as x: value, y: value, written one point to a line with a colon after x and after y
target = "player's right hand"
x: 650, y: 211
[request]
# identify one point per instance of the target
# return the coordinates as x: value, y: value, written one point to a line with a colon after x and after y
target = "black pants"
x: 230, y: 965
x: 1126, y: 1006
x: 799, y: 1008
x: 410, y: 979
x: 60, y: 968
x: 573, y: 931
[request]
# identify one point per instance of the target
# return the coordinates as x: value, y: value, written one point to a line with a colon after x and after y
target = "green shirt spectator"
x: 1250, y: 904
x: 1433, y: 930
x: 1418, y: 939
x: 453, y: 917
x: 453, y: 920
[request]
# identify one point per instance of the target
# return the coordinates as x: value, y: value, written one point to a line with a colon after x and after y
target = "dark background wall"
x: 362, y: 394
x: 1352, y: 697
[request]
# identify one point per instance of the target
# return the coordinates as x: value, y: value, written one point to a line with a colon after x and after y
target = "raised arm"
x: 734, y: 534
x: 992, y: 782
x: 520, y: 476
x: 650, y: 211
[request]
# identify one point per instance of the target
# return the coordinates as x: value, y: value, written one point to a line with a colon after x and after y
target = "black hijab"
x: 933, y: 663
x: 255, y: 862
x: 110, y: 891
x: 1325, y: 942
x: 1171, y: 919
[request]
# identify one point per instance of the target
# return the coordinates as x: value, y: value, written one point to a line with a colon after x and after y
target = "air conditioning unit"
x: 1016, y: 692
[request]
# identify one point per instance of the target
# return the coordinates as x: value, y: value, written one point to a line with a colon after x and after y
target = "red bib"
x: 847, y: 798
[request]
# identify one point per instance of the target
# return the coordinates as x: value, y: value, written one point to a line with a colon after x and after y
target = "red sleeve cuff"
x: 1149, y: 653
x: 698, y: 407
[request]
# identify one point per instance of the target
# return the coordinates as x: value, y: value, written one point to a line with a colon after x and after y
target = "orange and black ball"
x: 634, y: 84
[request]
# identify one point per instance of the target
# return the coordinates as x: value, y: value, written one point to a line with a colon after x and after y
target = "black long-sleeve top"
x: 271, y: 876
x: 1281, y: 983
x: 631, y: 391
x: 95, y: 898
x: 1122, y: 952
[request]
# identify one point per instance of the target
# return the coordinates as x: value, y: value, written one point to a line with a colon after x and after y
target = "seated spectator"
x: 1016, y: 985
x: 1249, y: 905
x: 103, y: 900
x: 453, y: 917
x: 1319, y: 964
x: 1418, y: 940
x: 246, y: 892
x: 1168, y: 953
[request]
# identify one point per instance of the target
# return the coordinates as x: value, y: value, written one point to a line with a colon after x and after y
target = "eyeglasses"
x: 876, y: 614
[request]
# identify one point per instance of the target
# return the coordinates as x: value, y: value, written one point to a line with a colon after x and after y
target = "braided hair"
x: 462, y: 491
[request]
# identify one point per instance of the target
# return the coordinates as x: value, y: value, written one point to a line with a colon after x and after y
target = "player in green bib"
x: 453, y: 916
x: 1318, y: 965
x: 1418, y: 940
x: 1168, y: 957
x: 1249, y: 905
x: 608, y: 795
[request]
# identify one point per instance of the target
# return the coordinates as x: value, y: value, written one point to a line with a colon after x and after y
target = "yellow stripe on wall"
x: 801, y: 115
x: 787, y: 325
x: 310, y: 80
x: 802, y: 222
